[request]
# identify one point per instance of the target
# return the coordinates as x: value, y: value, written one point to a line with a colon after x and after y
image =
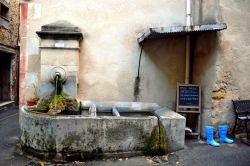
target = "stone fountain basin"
x: 100, y: 135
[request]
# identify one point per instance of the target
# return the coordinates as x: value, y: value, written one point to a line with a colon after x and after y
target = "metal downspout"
x: 188, y: 24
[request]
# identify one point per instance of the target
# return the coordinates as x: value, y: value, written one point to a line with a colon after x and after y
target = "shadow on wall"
x: 206, y: 69
x: 204, y: 62
x: 162, y: 67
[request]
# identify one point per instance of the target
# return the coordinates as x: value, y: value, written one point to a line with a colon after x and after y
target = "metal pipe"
x: 188, y: 24
x: 187, y: 69
x: 188, y: 13
x: 115, y: 112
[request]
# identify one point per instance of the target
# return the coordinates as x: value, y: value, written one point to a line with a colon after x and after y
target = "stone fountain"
x: 93, y: 129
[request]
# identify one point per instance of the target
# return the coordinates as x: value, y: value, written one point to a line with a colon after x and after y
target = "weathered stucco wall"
x: 206, y: 12
x: 222, y: 62
x: 109, y: 52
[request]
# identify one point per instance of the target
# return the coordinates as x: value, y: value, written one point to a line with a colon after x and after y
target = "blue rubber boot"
x: 210, y: 136
x: 222, y: 129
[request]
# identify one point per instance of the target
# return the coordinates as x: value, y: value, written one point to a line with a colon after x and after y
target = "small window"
x: 4, y: 11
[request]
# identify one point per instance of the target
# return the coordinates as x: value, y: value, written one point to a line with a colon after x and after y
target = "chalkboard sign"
x: 188, y: 95
x: 189, y: 103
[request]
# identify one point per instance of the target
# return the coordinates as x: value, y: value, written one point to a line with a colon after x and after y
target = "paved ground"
x: 194, y: 154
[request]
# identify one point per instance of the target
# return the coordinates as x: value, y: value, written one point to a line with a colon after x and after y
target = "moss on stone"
x: 163, y: 146
x: 57, y: 105
x: 157, y: 143
x: 71, y: 106
x: 47, y: 144
x: 36, y: 123
x: 68, y: 142
x: 25, y: 135
x: 153, y: 142
x: 43, y: 105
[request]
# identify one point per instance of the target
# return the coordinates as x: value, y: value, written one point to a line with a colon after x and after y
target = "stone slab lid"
x: 60, y: 30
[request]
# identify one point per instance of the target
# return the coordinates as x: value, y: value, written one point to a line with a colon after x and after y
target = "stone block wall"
x: 9, y: 33
x: 9, y: 29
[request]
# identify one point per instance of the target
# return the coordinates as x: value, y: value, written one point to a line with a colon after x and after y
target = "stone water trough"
x: 108, y: 129
x: 98, y: 129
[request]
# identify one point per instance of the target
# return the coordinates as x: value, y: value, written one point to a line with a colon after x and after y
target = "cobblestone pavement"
x: 195, y: 153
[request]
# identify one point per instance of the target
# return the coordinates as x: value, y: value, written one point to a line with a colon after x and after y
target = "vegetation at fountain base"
x: 59, y: 104
x: 158, y: 142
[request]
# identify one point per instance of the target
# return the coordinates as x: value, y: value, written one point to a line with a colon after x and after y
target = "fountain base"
x: 67, y: 137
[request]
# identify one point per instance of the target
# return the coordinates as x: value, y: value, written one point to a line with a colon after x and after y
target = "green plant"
x: 58, y: 102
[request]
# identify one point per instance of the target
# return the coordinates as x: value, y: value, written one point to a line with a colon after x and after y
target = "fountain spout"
x: 57, y: 71
x: 58, y: 74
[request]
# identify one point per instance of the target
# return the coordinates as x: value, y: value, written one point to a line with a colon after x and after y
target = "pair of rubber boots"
x: 222, y: 130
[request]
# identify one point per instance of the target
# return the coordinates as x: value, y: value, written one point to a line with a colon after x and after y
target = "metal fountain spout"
x: 57, y: 71
x: 58, y: 74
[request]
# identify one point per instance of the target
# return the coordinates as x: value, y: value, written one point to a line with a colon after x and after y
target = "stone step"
x: 6, y: 104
